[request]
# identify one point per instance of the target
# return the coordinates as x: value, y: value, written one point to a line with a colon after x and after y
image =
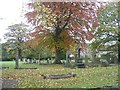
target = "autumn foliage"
x: 58, y: 24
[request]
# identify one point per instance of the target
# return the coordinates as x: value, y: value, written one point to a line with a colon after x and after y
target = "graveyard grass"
x: 86, y: 77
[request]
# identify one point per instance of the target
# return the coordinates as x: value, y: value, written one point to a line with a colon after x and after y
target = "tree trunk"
x: 18, y: 57
x: 86, y: 60
x: 20, y: 53
x: 94, y: 57
x: 67, y: 56
x: 58, y: 54
x: 17, y: 62
x: 39, y: 58
x: 78, y: 59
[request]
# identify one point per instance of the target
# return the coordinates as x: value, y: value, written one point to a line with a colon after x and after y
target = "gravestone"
x: 24, y: 60
x: 48, y: 61
x: 37, y: 61
x: 80, y: 65
x: 104, y: 63
x: 33, y: 61
x: 28, y: 60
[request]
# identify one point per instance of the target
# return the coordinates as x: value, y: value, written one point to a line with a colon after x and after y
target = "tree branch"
x: 67, y: 20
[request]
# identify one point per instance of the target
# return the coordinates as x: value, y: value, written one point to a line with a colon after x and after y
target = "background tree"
x: 56, y: 23
x: 106, y: 36
x: 16, y: 36
x: 37, y: 51
x: 4, y: 52
x: 119, y: 32
x: 0, y: 50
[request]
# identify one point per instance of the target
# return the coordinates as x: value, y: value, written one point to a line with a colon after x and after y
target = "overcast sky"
x: 10, y: 13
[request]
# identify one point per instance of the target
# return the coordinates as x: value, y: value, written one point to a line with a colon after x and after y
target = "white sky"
x: 10, y: 13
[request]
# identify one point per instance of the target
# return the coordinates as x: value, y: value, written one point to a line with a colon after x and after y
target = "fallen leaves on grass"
x: 87, y: 77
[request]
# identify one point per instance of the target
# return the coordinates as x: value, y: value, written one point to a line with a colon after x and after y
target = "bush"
x: 8, y: 59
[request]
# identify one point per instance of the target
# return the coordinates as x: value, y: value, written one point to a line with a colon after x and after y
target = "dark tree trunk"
x: 17, y: 62
x: 58, y: 54
x: 67, y: 56
x: 20, y: 53
x: 78, y: 59
x: 58, y: 48
x: 18, y: 56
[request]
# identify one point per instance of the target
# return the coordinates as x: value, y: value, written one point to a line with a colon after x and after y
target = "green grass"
x: 86, y: 77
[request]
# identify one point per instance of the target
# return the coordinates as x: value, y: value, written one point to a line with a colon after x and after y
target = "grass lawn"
x: 86, y: 77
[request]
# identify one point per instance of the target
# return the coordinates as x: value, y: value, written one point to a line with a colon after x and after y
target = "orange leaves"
x: 31, y: 16
x: 83, y: 11
x: 68, y: 17
x: 95, y: 24
x: 79, y: 14
x: 34, y: 33
x: 74, y: 6
x: 55, y: 7
x: 33, y: 42
x: 89, y: 35
x: 89, y: 17
x: 31, y: 5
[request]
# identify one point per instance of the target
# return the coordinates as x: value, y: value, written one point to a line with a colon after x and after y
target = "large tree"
x: 119, y: 33
x: 16, y: 36
x: 107, y: 34
x: 58, y: 23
